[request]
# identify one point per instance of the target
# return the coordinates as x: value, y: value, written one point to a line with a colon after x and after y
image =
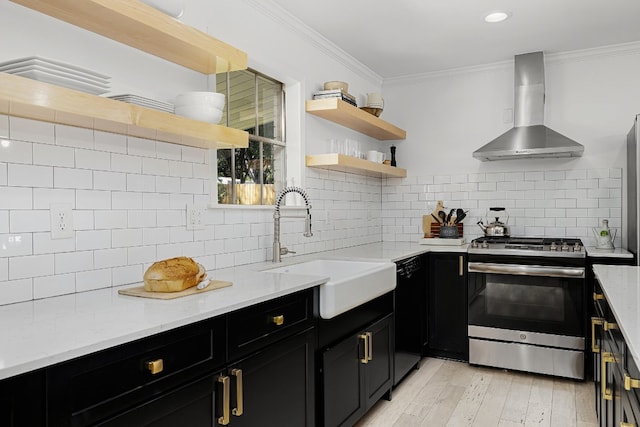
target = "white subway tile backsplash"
x: 4, y: 269
x: 166, y: 184
x: 29, y: 176
x: 109, y: 219
x: 171, y: 218
x: 141, y: 218
x: 3, y: 174
x: 180, y: 234
x: 142, y: 183
x: 203, y: 171
x: 111, y: 142
x: 126, y: 238
x: 195, y: 186
x: 52, y: 155
x: 91, y: 159
x: 72, y: 262
x: 127, y: 274
x: 155, y: 166
x: 105, y: 258
x: 72, y: 178
x: 13, y: 291
x: 94, y: 279
x: 125, y: 163
x: 28, y: 221
x: 51, y: 286
x: 155, y: 236
x: 116, y: 181
x: 610, y: 183
x: 93, y: 239
x: 554, y: 175
x: 93, y: 199
x: 126, y: 200
x: 23, y: 267
x: 576, y: 174
x: 141, y: 254
x: 4, y: 222
x: 72, y: 136
x: 181, y: 169
x: 598, y: 173
x: 155, y: 201
x: 194, y: 155
x: 4, y: 126
x: 168, y: 151
x: 141, y: 147
x: 31, y: 130
x: 13, y: 244
x: 44, y: 244
x: 16, y: 198
x: 17, y: 152
x: 83, y: 219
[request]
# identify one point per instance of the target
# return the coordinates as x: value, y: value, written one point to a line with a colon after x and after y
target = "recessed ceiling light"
x: 496, y: 16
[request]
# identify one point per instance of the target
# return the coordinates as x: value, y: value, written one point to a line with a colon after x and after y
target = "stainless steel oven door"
x: 534, y: 298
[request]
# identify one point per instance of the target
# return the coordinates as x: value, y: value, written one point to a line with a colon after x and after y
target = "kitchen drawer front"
x: 90, y: 388
x: 257, y: 326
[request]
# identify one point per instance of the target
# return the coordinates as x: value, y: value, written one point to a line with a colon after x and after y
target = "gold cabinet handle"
x: 278, y: 320
x: 608, y: 326
x: 595, y: 321
x: 623, y: 424
x: 370, y: 346
x: 239, y: 409
x: 460, y: 266
x: 607, y: 393
x: 597, y: 296
x: 365, y: 339
x: 630, y: 383
x: 224, y: 419
x: 155, y: 366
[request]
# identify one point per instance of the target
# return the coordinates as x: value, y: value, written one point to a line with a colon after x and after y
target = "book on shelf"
x: 348, y: 99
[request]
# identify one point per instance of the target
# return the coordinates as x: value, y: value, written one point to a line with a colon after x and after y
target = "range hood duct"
x: 529, y: 138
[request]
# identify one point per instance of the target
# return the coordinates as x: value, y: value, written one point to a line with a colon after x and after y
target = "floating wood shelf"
x: 141, y: 26
x: 342, y: 163
x: 32, y: 99
x: 338, y: 111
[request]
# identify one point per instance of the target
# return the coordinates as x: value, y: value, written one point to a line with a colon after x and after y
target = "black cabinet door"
x: 448, y: 336
x: 22, y: 400
x: 343, y: 381
x: 277, y: 387
x: 379, y: 370
x: 190, y: 405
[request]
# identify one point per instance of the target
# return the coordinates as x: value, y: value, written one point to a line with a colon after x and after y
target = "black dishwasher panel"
x: 411, y: 320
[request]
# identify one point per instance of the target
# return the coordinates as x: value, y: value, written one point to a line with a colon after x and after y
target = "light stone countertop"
x: 40, y: 333
x: 621, y: 287
x: 592, y: 251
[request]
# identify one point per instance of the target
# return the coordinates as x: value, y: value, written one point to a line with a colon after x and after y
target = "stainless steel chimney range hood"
x: 529, y: 138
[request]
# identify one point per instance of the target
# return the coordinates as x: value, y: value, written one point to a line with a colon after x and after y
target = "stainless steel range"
x: 527, y: 304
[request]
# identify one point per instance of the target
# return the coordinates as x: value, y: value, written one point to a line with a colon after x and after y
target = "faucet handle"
x: 285, y: 251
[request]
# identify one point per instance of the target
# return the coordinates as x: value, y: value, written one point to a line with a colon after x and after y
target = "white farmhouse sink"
x: 350, y: 284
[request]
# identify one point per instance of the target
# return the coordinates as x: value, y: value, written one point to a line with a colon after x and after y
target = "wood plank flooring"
x: 449, y: 393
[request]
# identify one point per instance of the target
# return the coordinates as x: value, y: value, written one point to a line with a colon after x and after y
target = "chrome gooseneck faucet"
x: 278, y: 251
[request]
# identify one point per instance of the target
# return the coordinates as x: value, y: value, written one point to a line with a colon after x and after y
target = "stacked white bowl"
x: 203, y: 106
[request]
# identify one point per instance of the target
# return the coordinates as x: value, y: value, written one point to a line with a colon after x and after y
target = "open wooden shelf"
x: 343, y: 163
x: 141, y: 26
x: 32, y: 99
x: 338, y: 111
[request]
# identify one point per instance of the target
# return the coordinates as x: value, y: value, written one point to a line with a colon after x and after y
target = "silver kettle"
x: 495, y: 228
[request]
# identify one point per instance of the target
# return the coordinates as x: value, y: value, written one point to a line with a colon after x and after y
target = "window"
x: 253, y: 175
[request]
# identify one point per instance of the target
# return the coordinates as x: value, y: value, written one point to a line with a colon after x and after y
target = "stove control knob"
x: 565, y: 247
x: 474, y: 244
x: 485, y: 245
x: 577, y: 247
x: 553, y: 246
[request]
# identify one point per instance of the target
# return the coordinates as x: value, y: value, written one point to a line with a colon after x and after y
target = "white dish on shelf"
x: 173, y: 8
x: 203, y: 113
x: 62, y: 81
x: 144, y: 102
x: 37, y: 68
x: 53, y: 64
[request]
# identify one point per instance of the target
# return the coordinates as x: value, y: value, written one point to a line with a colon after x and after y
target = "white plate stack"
x: 57, y: 73
x: 144, y: 102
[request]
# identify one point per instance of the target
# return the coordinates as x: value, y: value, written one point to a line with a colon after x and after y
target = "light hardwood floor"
x: 448, y: 393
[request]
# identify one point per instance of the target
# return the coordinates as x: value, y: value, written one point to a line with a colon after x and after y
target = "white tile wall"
x: 539, y: 203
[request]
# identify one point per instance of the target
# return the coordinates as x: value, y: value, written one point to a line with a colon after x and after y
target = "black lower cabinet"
x: 356, y: 373
x: 22, y: 400
x: 448, y: 334
x: 276, y: 387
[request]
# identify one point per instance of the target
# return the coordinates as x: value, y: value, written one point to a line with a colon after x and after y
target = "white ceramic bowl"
x: 212, y: 99
x: 204, y: 113
x: 336, y: 85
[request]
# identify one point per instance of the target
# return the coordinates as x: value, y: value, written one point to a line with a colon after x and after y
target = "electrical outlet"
x: 61, y: 220
x: 195, y: 217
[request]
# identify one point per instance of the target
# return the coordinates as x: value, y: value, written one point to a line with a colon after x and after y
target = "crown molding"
x: 279, y: 15
x: 622, y: 49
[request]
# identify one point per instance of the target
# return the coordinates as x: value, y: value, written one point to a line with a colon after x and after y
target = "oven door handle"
x: 526, y: 270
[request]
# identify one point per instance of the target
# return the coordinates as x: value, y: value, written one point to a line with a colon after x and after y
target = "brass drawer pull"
x: 595, y: 348
x: 597, y: 296
x: 365, y: 359
x: 278, y: 320
x: 370, y: 346
x: 607, y: 393
x: 623, y: 424
x: 608, y: 326
x: 460, y: 266
x: 224, y: 419
x: 239, y: 409
x: 155, y: 366
x: 630, y: 383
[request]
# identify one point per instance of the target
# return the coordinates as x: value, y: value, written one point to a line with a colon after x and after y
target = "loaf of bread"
x: 173, y: 275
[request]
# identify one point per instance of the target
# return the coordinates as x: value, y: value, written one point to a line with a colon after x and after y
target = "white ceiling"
x: 405, y: 37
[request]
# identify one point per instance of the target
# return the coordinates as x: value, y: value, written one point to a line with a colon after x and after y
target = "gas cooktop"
x: 528, y: 246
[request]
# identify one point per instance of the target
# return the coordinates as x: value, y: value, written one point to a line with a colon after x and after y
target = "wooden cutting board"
x: 139, y: 291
